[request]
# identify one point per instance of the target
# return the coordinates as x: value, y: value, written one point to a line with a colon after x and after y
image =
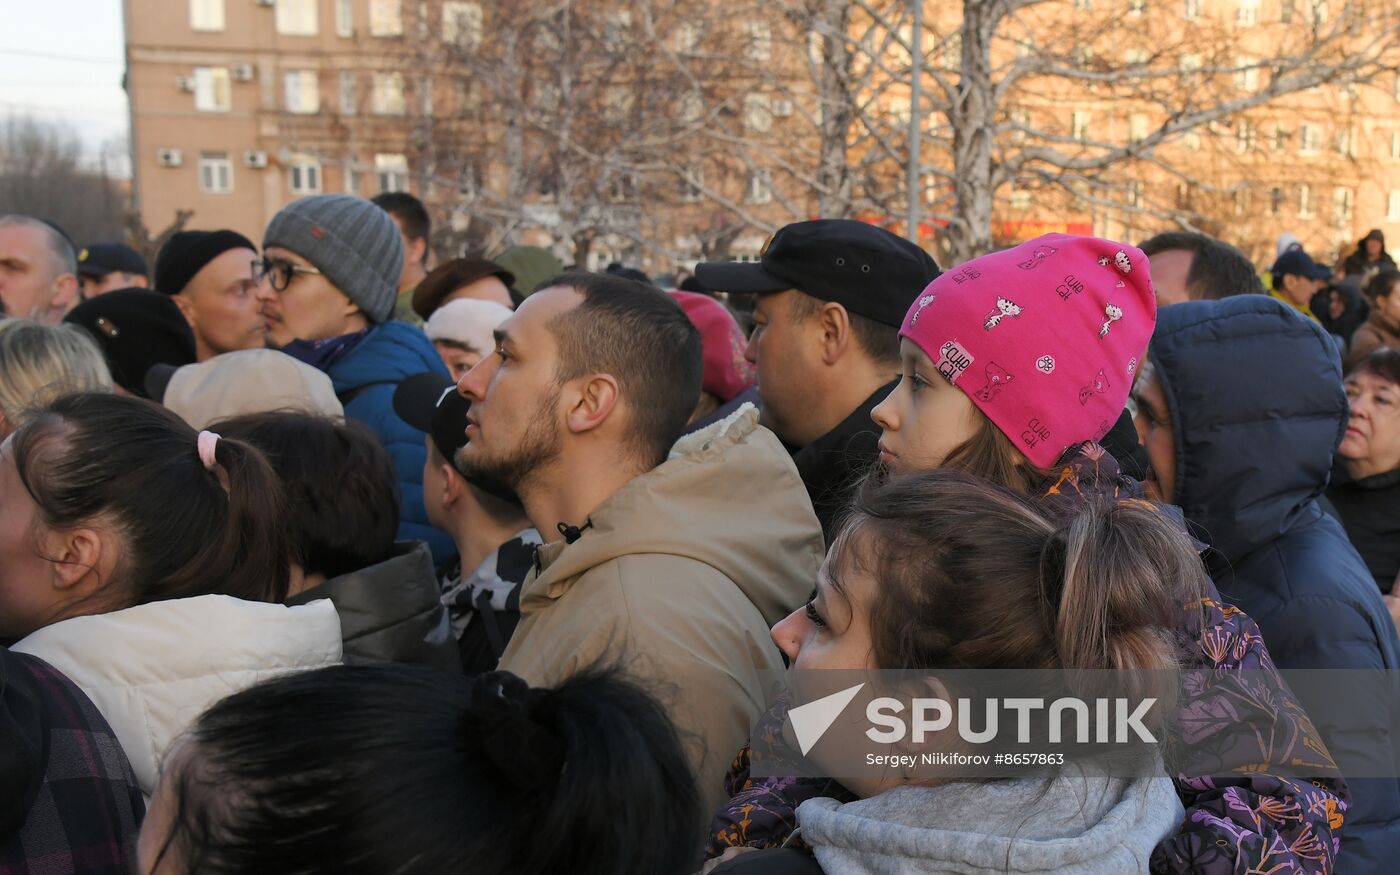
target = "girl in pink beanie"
x: 1014, y: 366
x: 1015, y: 357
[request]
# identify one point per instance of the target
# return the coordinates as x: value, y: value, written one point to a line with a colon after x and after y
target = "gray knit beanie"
x: 350, y: 240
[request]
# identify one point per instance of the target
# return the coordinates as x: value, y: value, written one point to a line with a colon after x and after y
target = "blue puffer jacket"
x: 367, y: 376
x: 1255, y: 396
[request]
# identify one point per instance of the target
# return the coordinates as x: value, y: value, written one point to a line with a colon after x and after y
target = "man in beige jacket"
x: 672, y: 561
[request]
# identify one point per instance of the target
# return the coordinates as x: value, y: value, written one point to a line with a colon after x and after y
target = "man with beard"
x: 672, y: 560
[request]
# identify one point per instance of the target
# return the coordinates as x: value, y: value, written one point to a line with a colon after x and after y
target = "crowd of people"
x: 316, y: 559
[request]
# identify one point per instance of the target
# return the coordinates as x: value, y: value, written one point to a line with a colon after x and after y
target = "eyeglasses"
x: 278, y: 273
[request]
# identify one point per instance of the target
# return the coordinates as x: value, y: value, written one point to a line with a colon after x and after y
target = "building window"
x: 1280, y: 138
x: 1079, y: 125
x: 1192, y: 140
x: 760, y: 41
x: 758, y: 113
x: 1183, y: 196
x: 1244, y: 137
x: 1305, y: 201
x: 1392, y: 207
x: 461, y: 24
x: 1135, y: 57
x: 687, y: 38
x: 1341, y: 207
x: 296, y: 17
x: 1395, y: 146
x: 211, y: 89
x: 618, y: 101
x: 425, y: 97
x: 344, y: 18
x: 1309, y: 139
x: 207, y: 15
x: 349, y: 101
x: 616, y: 28
x: 1020, y: 199
x: 1346, y: 142
x: 305, y: 174
x: 760, y: 187
x: 1084, y: 5
x: 387, y: 97
x: 385, y: 18
x: 1137, y: 128
x: 352, y: 175
x: 1193, y: 10
x: 1137, y: 7
x: 215, y: 173
x: 1319, y: 12
x: 1246, y: 74
x: 1241, y: 201
x: 1285, y: 10
x: 392, y: 171
x: 467, y: 94
x: 692, y: 178
x: 1275, y: 200
x: 1247, y: 13
x: 303, y: 92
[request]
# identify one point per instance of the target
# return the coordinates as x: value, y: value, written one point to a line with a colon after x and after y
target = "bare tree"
x: 43, y: 173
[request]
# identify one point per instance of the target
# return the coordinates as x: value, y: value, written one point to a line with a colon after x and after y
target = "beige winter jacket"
x: 679, y: 579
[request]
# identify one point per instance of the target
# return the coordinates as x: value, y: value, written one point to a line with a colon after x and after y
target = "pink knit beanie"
x: 1045, y: 337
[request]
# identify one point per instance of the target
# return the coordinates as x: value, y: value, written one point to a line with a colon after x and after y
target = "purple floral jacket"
x: 1252, y: 821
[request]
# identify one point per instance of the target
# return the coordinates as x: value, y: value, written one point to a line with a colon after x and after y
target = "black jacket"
x: 1255, y: 395
x: 834, y: 463
x: 392, y: 611
x: 1370, y: 510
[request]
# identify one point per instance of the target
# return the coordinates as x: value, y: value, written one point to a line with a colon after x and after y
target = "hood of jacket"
x: 1254, y: 391
x: 153, y: 669
x: 391, y: 611
x: 389, y: 354
x: 728, y: 496
x: 1072, y: 826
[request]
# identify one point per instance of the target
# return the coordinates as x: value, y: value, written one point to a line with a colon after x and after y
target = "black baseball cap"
x: 100, y: 259
x: 431, y: 403
x: 1299, y: 263
x: 864, y: 268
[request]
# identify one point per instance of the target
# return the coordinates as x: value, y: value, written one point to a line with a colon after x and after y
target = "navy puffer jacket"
x: 365, y: 380
x: 1254, y: 392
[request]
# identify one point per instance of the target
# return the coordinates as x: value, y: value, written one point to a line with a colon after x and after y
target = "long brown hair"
x: 974, y: 576
x: 991, y: 455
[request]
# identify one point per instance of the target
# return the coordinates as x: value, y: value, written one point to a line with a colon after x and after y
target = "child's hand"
x: 731, y: 853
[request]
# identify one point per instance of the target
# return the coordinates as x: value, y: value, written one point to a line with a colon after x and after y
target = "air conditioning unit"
x: 241, y: 72
x: 184, y: 83
x: 267, y: 2
x: 782, y: 108
x: 170, y: 157
x: 255, y: 158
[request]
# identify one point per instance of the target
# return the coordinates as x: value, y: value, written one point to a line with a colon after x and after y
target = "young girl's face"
x: 832, y: 631
x: 925, y: 418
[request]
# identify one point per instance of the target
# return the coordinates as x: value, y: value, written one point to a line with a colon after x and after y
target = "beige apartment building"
x: 240, y: 106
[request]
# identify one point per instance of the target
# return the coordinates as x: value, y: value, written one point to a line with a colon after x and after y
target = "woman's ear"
x: 77, y: 557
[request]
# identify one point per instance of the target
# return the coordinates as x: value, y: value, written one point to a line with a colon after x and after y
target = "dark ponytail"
x: 186, y: 529
x: 373, y: 769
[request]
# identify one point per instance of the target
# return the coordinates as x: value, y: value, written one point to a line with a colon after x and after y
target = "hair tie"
x: 207, y: 441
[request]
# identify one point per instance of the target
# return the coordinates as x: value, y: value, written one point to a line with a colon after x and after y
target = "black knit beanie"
x: 186, y: 253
